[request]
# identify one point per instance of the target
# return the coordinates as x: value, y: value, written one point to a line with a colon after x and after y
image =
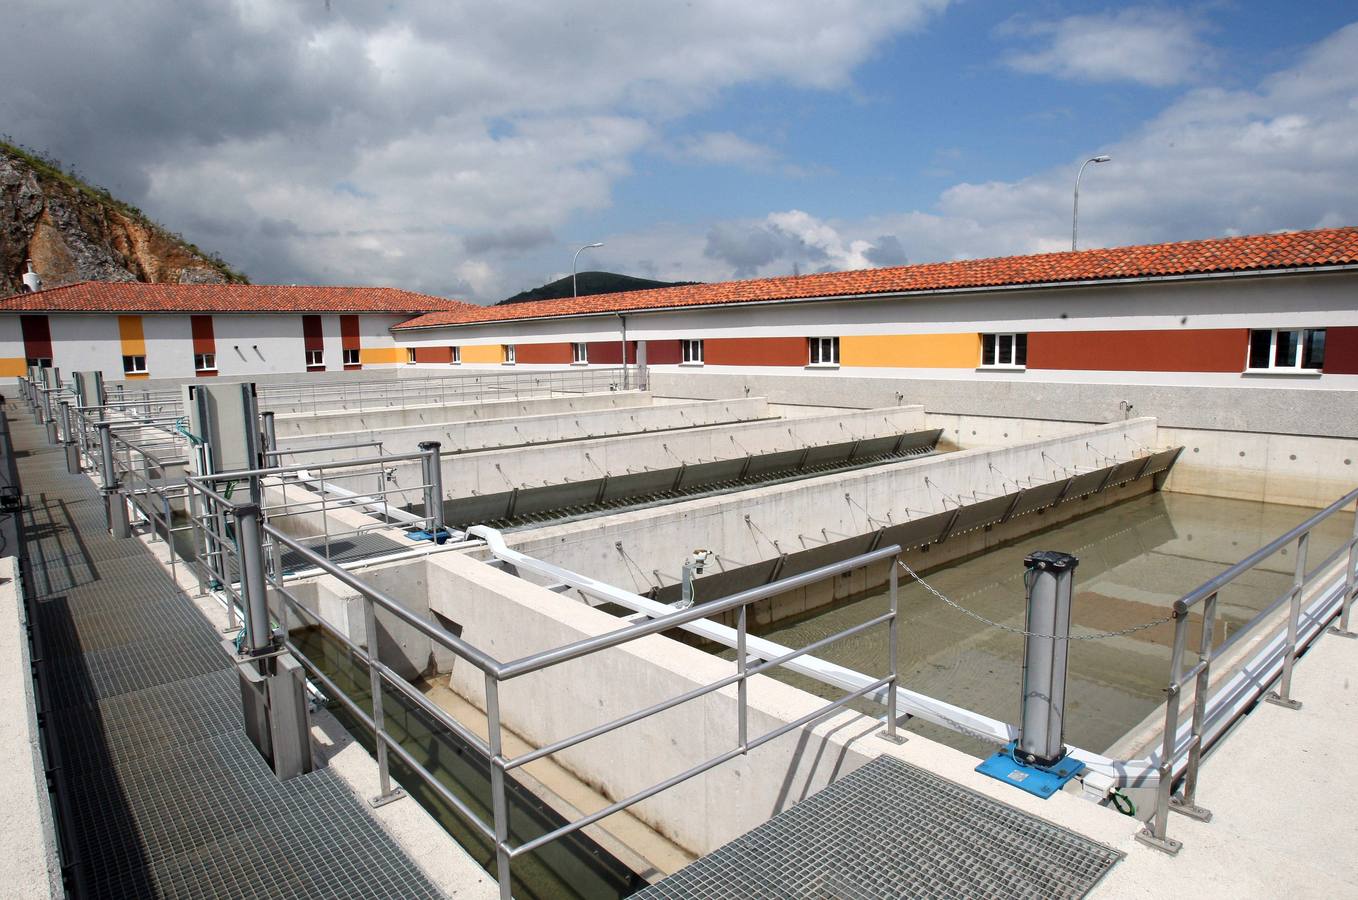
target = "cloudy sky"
x: 466, y: 149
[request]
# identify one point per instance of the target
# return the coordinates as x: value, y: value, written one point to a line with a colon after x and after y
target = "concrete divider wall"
x: 644, y: 548
x: 510, y: 432
x: 510, y: 618
x: 970, y: 432
x: 473, y: 410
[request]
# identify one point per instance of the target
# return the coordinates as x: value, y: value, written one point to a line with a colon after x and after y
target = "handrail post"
x: 68, y: 440
x: 893, y: 634
x: 742, y: 686
x: 386, y: 793
x: 1156, y: 833
x: 50, y: 419
x: 498, y: 800
x: 1283, y: 696
x: 1346, y: 602
x: 433, y: 487
x: 1187, y: 804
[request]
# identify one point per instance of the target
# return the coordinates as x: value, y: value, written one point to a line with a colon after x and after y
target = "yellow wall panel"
x: 381, y: 356
x: 488, y: 353
x: 133, y: 338
x: 911, y: 351
x: 13, y: 367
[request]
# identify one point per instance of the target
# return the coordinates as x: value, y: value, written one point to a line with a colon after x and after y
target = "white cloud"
x: 1214, y: 162
x: 722, y: 148
x: 1151, y: 46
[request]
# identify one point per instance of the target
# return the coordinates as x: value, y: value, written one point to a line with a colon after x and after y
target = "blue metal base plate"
x: 1040, y: 781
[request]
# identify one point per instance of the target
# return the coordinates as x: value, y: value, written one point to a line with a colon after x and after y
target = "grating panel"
x: 160, y: 793
x: 345, y: 549
x: 892, y: 830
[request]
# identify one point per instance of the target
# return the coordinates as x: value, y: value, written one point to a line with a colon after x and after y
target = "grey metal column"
x: 253, y: 584
x: 433, y: 486
x: 115, y: 510
x: 72, y: 445
x: 1049, y: 578
x: 270, y: 435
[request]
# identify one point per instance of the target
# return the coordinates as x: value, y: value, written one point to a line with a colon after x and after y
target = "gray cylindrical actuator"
x: 1049, y: 580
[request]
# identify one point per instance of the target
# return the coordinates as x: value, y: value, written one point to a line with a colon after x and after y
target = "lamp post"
x: 1075, y: 216
x: 576, y: 259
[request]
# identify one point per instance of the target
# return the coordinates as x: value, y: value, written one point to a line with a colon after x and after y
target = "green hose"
x: 1122, y: 803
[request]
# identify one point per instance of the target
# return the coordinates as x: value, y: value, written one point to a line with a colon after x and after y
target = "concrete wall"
x: 510, y: 618
x: 348, y: 420
x: 1273, y: 468
x: 497, y: 470
x: 1279, y: 408
x: 27, y: 830
x: 515, y: 431
x: 644, y: 548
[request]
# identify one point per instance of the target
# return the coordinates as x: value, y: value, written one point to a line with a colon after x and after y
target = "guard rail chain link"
x: 1094, y: 636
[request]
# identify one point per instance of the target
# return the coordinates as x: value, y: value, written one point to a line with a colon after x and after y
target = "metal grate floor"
x: 346, y: 549
x: 893, y: 830
x: 159, y: 791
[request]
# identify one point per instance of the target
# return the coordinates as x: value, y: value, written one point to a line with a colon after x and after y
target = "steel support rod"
x: 1156, y: 833
x: 892, y: 654
x: 1283, y: 696
x: 115, y: 510
x: 270, y: 432
x: 1346, y: 602
x: 499, y: 802
x: 1187, y: 804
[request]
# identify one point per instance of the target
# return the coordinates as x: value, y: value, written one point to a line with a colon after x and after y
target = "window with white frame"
x: 692, y: 352
x: 1004, y: 351
x: 1286, y: 350
x: 315, y: 359
x: 509, y: 354
x: 205, y: 362
x: 42, y: 362
x: 455, y: 356
x: 580, y: 354
x: 351, y: 356
x: 134, y: 365
x: 824, y: 351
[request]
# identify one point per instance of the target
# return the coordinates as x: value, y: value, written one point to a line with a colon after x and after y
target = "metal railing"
x: 397, y: 393
x: 1181, y: 754
x: 249, y: 554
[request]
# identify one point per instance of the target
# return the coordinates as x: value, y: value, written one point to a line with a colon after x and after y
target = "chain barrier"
x: 1095, y: 636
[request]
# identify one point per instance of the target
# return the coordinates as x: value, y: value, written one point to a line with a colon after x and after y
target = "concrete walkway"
x: 159, y: 791
x: 1283, y: 791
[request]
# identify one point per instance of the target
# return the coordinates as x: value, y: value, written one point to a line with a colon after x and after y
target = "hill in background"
x: 75, y: 231
x: 590, y: 283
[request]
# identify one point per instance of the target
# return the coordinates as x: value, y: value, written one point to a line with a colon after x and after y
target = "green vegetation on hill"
x: 48, y: 168
x: 591, y: 283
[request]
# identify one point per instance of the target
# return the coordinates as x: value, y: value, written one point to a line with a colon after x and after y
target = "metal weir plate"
x: 893, y: 830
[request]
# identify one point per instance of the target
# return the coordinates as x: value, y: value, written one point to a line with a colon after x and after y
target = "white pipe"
x: 1227, y: 703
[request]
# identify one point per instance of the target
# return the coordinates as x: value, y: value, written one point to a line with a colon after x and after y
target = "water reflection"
x: 1136, y: 558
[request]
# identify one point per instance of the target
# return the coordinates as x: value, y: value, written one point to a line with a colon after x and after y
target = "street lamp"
x: 574, y: 291
x: 1075, y: 217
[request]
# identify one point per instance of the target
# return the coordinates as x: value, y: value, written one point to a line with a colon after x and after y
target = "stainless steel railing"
x: 250, y: 551
x: 1181, y: 754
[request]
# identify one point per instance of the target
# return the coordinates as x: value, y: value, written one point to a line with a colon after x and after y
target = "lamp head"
x: 1101, y: 159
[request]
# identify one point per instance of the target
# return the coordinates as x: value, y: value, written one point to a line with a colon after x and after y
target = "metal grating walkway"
x: 159, y: 791
x: 893, y: 830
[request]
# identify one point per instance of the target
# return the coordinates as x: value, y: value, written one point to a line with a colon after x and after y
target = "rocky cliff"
x: 74, y: 232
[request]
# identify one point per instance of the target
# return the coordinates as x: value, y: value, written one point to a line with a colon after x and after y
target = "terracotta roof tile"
x: 138, y: 297
x: 1299, y: 249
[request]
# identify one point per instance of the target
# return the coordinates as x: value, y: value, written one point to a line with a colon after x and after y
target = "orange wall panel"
x: 755, y: 351
x: 1190, y: 350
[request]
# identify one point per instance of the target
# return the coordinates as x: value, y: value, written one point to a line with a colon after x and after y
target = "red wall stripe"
x: 443, y: 355
x: 349, y: 332
x: 755, y: 351
x: 663, y: 353
x: 1341, y: 351
x: 609, y: 353
x: 311, y: 333
x: 1195, y: 350
x: 204, y: 339
x: 542, y: 353
x: 37, y: 337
